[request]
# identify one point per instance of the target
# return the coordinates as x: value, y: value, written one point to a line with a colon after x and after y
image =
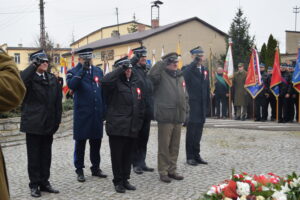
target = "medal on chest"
x: 138, y: 91
x: 96, y: 79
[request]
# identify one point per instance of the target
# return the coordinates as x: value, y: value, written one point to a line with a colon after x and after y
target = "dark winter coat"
x: 197, y: 85
x: 125, y: 105
x: 286, y: 84
x: 169, y: 94
x: 220, y: 89
x: 42, y: 105
x: 146, y: 84
x: 89, y: 106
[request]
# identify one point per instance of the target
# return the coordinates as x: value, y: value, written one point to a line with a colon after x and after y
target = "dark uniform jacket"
x: 265, y: 89
x: 285, y: 85
x: 197, y: 85
x: 220, y: 89
x: 169, y: 94
x: 125, y: 105
x: 42, y: 106
x: 12, y: 91
x: 89, y: 106
x: 146, y: 84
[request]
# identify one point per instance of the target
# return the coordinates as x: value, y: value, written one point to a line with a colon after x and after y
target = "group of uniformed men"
x: 127, y: 99
x: 243, y: 102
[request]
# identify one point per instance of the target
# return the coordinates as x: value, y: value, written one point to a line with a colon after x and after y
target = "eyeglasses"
x: 44, y: 61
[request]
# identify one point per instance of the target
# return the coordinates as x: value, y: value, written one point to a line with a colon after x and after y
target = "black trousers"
x: 140, y: 149
x: 283, y: 104
x: 193, y: 138
x: 39, y: 150
x: 293, y: 108
x: 121, y: 149
x: 95, y: 145
x: 261, y: 108
x: 221, y: 100
x: 272, y: 101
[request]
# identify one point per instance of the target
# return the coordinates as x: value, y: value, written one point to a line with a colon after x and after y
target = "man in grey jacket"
x: 169, y: 112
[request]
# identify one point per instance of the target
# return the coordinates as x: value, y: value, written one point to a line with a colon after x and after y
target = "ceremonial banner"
x: 296, y: 74
x: 276, y: 75
x: 228, y: 67
x: 253, y: 83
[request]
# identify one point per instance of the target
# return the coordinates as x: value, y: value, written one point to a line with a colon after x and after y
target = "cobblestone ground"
x: 253, y: 151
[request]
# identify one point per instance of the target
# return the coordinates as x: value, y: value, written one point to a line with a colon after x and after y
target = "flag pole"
x: 229, y: 104
x: 277, y: 108
x: 298, y: 108
x: 253, y: 109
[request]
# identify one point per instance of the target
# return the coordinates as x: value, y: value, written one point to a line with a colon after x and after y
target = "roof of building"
x: 105, y: 28
x: 292, y: 31
x: 138, y: 36
x: 36, y: 48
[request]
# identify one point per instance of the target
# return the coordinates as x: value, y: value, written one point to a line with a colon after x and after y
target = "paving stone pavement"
x: 252, y: 151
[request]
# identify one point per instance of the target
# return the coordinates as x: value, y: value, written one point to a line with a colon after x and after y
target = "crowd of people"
x: 263, y: 106
x: 125, y: 101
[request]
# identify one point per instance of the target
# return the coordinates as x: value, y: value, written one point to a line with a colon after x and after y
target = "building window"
x: 56, y: 58
x: 17, y: 58
x: 107, y: 55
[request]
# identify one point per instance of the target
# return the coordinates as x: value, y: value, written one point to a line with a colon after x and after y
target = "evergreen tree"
x: 132, y: 28
x: 270, y: 53
x: 242, y: 41
x: 262, y: 55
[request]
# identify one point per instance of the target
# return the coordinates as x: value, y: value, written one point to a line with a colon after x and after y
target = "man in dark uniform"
x: 284, y: 95
x: 40, y: 119
x: 89, y: 108
x: 293, y: 105
x: 261, y: 108
x: 197, y: 84
x: 221, y: 94
x: 141, y: 69
x: 271, y: 99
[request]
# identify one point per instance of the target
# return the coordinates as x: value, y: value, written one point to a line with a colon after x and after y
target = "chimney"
x: 141, y: 27
x: 155, y: 23
x: 20, y: 45
x: 155, y: 13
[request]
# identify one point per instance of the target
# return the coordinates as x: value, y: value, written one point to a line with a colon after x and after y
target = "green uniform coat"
x: 239, y: 90
x: 169, y: 95
x: 12, y: 91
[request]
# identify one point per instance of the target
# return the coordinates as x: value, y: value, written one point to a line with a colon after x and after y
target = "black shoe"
x: 237, y: 118
x: 165, y: 178
x: 137, y: 170
x: 128, y: 186
x: 201, y: 161
x: 99, y: 173
x: 35, y: 192
x: 273, y: 119
x: 176, y: 176
x: 243, y: 118
x: 147, y: 169
x: 80, y: 175
x: 191, y: 162
x: 257, y: 120
x: 49, y: 188
x: 120, y: 188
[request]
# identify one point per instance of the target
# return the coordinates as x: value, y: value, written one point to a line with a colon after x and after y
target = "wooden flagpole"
x: 277, y: 109
x: 298, y: 108
x: 253, y: 109
x: 229, y: 104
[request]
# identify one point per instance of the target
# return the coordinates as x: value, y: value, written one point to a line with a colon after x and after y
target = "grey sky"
x: 19, y: 19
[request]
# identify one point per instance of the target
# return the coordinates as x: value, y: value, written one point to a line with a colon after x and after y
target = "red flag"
x: 130, y: 52
x: 65, y: 89
x: 73, y: 63
x: 276, y: 75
